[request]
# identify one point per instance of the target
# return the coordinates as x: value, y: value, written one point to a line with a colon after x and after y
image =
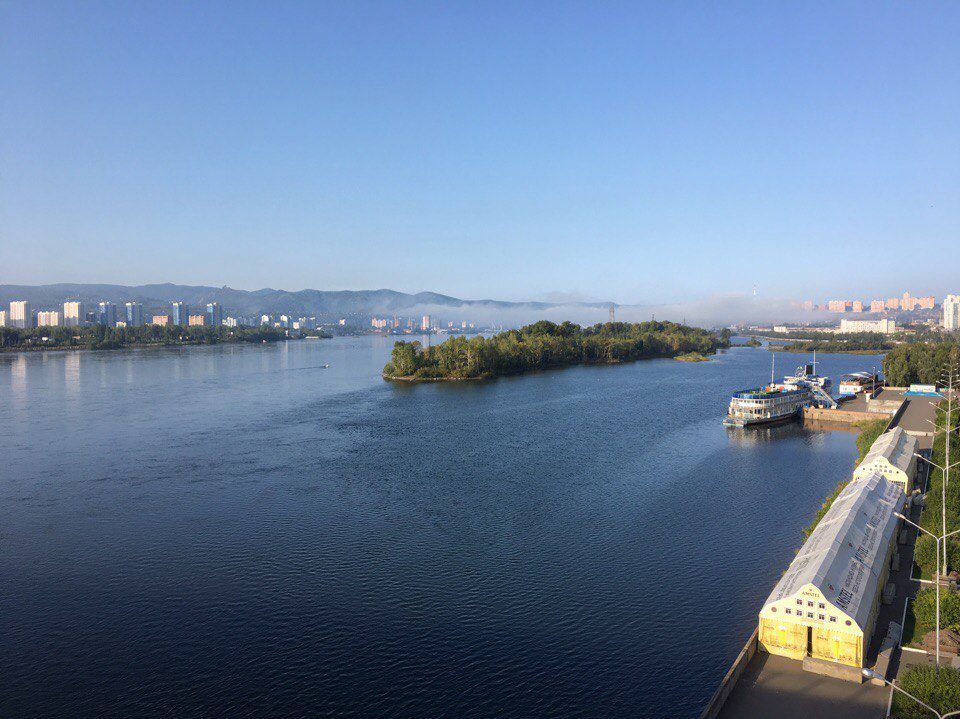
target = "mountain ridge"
x: 266, y: 300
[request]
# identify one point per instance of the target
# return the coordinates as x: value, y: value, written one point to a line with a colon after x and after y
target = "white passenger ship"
x: 768, y: 405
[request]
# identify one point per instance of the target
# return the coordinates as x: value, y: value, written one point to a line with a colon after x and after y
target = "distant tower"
x: 613, y: 317
x: 754, y: 290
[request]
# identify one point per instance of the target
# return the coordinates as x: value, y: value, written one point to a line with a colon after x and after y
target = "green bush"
x: 920, y: 681
x: 925, y: 555
x: 925, y: 606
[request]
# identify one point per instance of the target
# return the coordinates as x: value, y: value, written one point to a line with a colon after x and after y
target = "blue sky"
x: 627, y: 151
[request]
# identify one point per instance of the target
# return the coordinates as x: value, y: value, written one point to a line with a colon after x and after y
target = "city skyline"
x: 430, y: 148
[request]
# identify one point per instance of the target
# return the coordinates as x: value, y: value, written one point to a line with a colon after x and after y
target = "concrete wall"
x: 819, y: 414
x: 719, y: 698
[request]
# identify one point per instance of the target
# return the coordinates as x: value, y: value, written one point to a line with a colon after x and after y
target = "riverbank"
x: 413, y: 379
x: 44, y: 339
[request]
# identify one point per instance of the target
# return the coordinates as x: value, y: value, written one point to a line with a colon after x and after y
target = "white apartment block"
x: 951, y: 312
x: 48, y: 319
x: 20, y: 314
x: 72, y: 314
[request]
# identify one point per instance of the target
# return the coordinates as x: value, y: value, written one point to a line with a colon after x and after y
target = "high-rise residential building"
x: 134, y: 314
x: 951, y: 313
x: 230, y: 322
x: 49, y: 318
x: 926, y: 303
x: 3, y: 318
x: 893, y: 303
x: 179, y: 314
x: 857, y: 306
x: 877, y: 306
x: 72, y: 313
x: 161, y: 320
x: 20, y: 314
x: 908, y: 303
x: 214, y: 314
x: 196, y: 320
x: 107, y: 314
x: 807, y: 307
x: 425, y: 322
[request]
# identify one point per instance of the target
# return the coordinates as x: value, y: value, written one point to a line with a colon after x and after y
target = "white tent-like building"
x: 893, y: 456
x: 825, y: 605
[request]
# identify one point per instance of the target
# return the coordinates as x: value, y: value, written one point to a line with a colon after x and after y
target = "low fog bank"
x: 719, y: 311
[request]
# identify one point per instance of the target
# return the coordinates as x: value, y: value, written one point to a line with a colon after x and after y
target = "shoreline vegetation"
x: 109, y: 338
x: 546, y: 345
x: 692, y: 357
x: 805, y: 349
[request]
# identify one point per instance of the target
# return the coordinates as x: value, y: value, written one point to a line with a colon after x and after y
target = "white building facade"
x: 20, y: 314
x: 887, y: 326
x: 951, y: 313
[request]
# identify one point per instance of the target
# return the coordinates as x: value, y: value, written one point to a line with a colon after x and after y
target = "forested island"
x: 101, y: 338
x: 547, y: 345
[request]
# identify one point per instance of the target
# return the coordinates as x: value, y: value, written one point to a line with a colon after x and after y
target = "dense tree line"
x: 545, y: 345
x: 101, y: 337
x: 920, y: 363
x: 861, y: 342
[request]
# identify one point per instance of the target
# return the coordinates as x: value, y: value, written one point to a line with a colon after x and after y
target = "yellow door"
x: 827, y: 644
x: 784, y: 638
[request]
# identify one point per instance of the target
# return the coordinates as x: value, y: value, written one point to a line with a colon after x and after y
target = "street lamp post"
x: 870, y: 674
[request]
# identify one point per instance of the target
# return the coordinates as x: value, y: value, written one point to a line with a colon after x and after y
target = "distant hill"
x: 265, y: 301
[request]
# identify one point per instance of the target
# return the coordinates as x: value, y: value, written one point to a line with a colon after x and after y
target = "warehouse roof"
x: 844, y: 556
x: 895, y: 446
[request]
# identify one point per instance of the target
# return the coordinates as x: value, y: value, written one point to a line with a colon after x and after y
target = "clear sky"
x: 629, y: 151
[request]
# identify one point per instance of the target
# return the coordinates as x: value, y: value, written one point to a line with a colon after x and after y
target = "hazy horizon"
x: 636, y: 153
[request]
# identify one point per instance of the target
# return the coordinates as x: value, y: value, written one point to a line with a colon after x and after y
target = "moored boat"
x: 766, y: 405
x: 770, y: 404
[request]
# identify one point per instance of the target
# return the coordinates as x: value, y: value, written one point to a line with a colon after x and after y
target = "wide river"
x: 235, y: 531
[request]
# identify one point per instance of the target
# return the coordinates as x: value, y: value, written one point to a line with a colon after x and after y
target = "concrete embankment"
x: 731, y: 678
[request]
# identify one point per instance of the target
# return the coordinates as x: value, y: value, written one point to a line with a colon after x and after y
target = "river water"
x: 235, y: 531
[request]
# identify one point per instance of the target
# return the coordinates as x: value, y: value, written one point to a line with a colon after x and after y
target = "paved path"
x: 777, y: 687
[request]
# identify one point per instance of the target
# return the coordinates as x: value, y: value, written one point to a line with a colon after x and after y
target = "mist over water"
x: 235, y: 531
x: 716, y: 311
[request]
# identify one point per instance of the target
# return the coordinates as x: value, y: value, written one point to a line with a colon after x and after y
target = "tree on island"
x: 544, y: 345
